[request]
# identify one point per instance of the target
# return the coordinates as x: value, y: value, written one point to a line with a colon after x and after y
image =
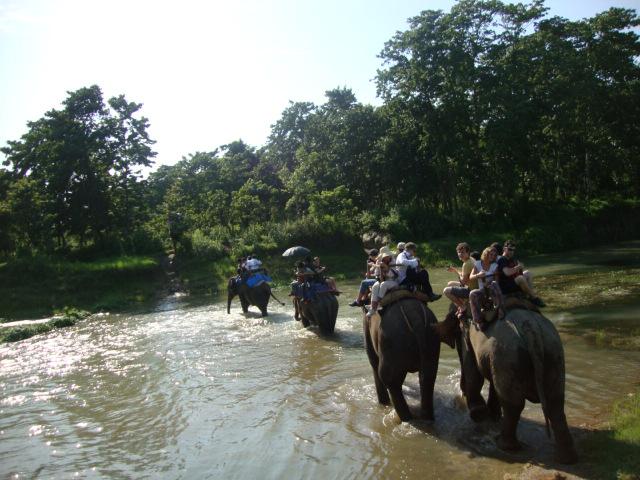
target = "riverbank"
x: 41, y: 287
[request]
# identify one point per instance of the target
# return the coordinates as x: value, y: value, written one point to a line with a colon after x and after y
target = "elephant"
x: 406, y: 338
x: 522, y: 357
x: 322, y: 311
x: 258, y: 295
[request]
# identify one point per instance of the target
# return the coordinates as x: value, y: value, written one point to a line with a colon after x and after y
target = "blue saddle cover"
x: 256, y: 279
x: 317, y: 288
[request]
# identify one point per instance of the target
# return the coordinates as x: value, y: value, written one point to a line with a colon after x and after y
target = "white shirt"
x: 489, y: 274
x: 403, y: 261
x: 253, y: 264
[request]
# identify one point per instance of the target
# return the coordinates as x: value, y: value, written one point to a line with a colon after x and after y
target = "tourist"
x: 513, y: 278
x: 458, y: 291
x: 483, y: 273
x: 386, y: 280
x: 411, y: 273
x: 369, y: 279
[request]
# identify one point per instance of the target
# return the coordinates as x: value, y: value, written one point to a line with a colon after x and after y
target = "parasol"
x: 296, y: 252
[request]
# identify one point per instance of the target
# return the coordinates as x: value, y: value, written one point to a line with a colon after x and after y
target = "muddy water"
x: 188, y: 391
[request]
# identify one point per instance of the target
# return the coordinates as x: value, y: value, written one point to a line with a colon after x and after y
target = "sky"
x: 207, y: 72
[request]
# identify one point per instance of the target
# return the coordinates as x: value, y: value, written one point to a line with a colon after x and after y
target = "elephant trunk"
x: 447, y: 330
x: 231, y: 292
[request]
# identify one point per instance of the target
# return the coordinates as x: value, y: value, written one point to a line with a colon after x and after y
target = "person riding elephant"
x: 258, y: 295
x: 522, y: 357
x: 405, y: 338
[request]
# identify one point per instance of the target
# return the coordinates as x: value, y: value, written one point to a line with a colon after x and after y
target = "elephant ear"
x: 447, y: 330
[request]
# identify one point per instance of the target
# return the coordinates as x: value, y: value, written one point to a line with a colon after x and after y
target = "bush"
x: 204, y: 246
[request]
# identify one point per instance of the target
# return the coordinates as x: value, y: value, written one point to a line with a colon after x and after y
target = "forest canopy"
x: 494, y: 116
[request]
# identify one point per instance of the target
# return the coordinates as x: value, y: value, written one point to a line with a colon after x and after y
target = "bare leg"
x: 524, y: 285
x: 459, y: 302
x: 474, y: 301
x: 529, y: 278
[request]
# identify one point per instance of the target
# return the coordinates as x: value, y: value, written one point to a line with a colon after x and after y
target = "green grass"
x: 68, y: 319
x: 586, y: 294
x: 614, y: 452
x: 38, y: 287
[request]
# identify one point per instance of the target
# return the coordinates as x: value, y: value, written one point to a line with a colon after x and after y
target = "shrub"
x: 202, y: 245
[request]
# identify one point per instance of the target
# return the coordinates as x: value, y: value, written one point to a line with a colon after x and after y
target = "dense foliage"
x: 494, y: 117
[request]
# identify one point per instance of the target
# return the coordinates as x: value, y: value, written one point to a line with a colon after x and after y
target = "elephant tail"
x: 274, y: 297
x: 533, y: 336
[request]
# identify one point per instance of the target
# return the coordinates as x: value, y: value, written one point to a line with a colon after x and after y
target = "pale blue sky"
x: 207, y: 72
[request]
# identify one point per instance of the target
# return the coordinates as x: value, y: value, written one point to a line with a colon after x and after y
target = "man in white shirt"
x: 403, y: 260
x: 407, y: 265
x: 253, y: 264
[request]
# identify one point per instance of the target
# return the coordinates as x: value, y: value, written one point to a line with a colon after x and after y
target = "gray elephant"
x: 321, y: 310
x: 522, y: 357
x: 257, y: 296
x: 405, y: 339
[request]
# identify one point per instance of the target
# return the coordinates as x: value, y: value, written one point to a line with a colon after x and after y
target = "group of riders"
x: 247, y: 267
x: 483, y: 278
x: 488, y: 277
x: 310, y: 278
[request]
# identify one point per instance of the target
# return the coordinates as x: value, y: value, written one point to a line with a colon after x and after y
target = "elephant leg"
x: 508, y: 440
x: 304, y: 312
x: 495, y: 411
x: 473, y: 382
x: 374, y: 360
x: 565, y: 450
x: 428, y: 373
x: 395, y: 390
x: 296, y: 308
x: 244, y: 303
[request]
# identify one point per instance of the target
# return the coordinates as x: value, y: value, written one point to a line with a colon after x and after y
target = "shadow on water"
x: 477, y: 439
x: 345, y: 338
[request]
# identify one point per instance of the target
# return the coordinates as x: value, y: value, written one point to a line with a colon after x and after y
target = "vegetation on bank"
x: 68, y: 318
x: 36, y: 287
x: 613, y: 452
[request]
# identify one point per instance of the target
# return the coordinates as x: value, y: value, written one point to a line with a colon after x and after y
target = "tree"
x: 84, y: 158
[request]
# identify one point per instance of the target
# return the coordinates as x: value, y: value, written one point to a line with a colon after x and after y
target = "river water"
x: 188, y: 391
